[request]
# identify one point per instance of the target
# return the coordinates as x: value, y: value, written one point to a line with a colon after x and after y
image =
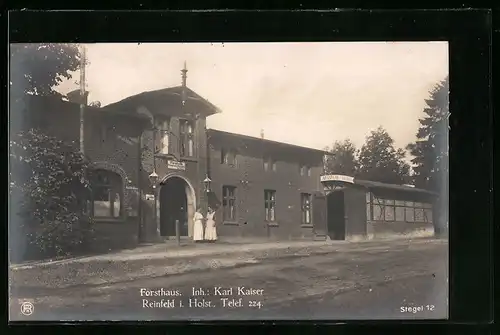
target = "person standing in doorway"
x: 198, y: 226
x: 210, y: 230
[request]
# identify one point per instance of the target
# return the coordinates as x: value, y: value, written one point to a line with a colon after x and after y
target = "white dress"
x: 198, y: 227
x: 210, y: 230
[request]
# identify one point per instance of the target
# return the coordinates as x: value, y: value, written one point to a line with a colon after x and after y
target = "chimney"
x: 262, y: 133
x: 74, y: 96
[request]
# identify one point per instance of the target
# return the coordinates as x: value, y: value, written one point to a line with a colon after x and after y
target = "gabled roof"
x: 376, y: 184
x: 164, y: 96
x: 224, y: 134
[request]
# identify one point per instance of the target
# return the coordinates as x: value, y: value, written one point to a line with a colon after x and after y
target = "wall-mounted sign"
x: 149, y: 197
x: 337, y: 177
x: 175, y: 165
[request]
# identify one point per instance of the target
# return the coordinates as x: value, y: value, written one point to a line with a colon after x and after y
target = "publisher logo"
x: 27, y: 308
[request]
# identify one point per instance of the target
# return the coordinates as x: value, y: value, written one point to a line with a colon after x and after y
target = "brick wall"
x: 251, y: 180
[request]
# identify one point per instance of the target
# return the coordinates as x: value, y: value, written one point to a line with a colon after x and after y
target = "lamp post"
x: 206, y: 186
x: 153, y: 179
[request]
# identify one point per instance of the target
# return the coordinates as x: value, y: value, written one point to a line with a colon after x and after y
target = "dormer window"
x: 187, y: 138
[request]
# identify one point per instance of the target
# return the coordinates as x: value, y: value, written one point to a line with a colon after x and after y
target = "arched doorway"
x: 176, y: 202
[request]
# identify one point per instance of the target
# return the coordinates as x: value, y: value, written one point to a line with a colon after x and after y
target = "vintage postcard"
x: 240, y: 181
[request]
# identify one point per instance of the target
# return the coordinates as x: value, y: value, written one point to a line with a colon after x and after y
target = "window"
x: 409, y: 214
x: 400, y: 214
x: 305, y: 200
x: 368, y: 206
x: 162, y: 138
x: 229, y: 203
x: 305, y: 170
x: 269, y: 164
x: 186, y: 138
x: 270, y: 205
x: 228, y: 157
x: 107, y: 194
x: 397, y: 210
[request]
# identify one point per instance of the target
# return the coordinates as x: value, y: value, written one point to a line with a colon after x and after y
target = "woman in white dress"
x: 210, y: 230
x: 198, y: 226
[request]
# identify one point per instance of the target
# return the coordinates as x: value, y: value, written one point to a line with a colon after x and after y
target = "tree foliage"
x: 37, y: 68
x: 380, y: 161
x: 48, y: 179
x: 343, y: 159
x: 430, y: 151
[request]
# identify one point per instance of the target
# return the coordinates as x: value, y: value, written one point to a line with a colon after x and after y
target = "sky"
x: 308, y: 94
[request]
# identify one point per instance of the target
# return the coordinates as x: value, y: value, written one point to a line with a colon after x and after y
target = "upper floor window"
x: 162, y: 138
x: 186, y: 138
x: 269, y: 164
x: 228, y: 157
x: 305, y: 170
x: 107, y: 194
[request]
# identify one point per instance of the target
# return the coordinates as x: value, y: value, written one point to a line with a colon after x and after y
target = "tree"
x: 49, y: 182
x: 380, y: 161
x: 343, y: 159
x: 430, y: 151
x: 37, y: 68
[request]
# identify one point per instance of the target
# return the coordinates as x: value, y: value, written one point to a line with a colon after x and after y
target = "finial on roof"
x: 262, y: 133
x: 184, y: 74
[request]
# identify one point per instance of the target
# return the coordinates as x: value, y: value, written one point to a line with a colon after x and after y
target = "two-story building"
x: 154, y: 162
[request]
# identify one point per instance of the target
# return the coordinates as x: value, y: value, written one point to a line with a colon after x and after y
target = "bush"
x: 49, y: 191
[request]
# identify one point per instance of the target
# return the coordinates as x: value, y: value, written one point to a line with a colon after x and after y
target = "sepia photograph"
x: 228, y: 181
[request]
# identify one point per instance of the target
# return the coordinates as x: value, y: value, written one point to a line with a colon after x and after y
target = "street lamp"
x: 153, y: 178
x: 206, y: 183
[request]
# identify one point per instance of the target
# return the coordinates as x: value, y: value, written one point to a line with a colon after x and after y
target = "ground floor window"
x: 382, y: 209
x: 306, y: 208
x: 107, y: 194
x: 270, y: 205
x: 229, y: 203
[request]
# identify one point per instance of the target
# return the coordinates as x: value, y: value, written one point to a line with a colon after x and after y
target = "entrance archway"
x: 176, y: 202
x: 336, y: 215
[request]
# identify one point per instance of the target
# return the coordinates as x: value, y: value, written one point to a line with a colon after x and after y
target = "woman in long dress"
x: 210, y: 230
x: 198, y: 226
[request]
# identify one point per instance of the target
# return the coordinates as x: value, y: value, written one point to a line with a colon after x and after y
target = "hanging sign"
x: 337, y: 177
x: 175, y: 165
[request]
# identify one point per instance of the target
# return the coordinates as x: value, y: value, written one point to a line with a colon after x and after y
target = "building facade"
x: 155, y: 162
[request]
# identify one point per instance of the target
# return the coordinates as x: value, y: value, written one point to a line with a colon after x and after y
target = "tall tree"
x: 37, y: 68
x: 47, y: 175
x: 430, y: 151
x: 343, y: 159
x: 380, y: 161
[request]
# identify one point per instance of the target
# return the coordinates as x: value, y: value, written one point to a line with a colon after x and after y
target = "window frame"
x: 394, y: 206
x: 226, y: 199
x: 163, y: 129
x: 269, y: 203
x: 186, y: 138
x: 269, y: 164
x: 306, y: 208
x: 114, y: 190
x: 226, y: 154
